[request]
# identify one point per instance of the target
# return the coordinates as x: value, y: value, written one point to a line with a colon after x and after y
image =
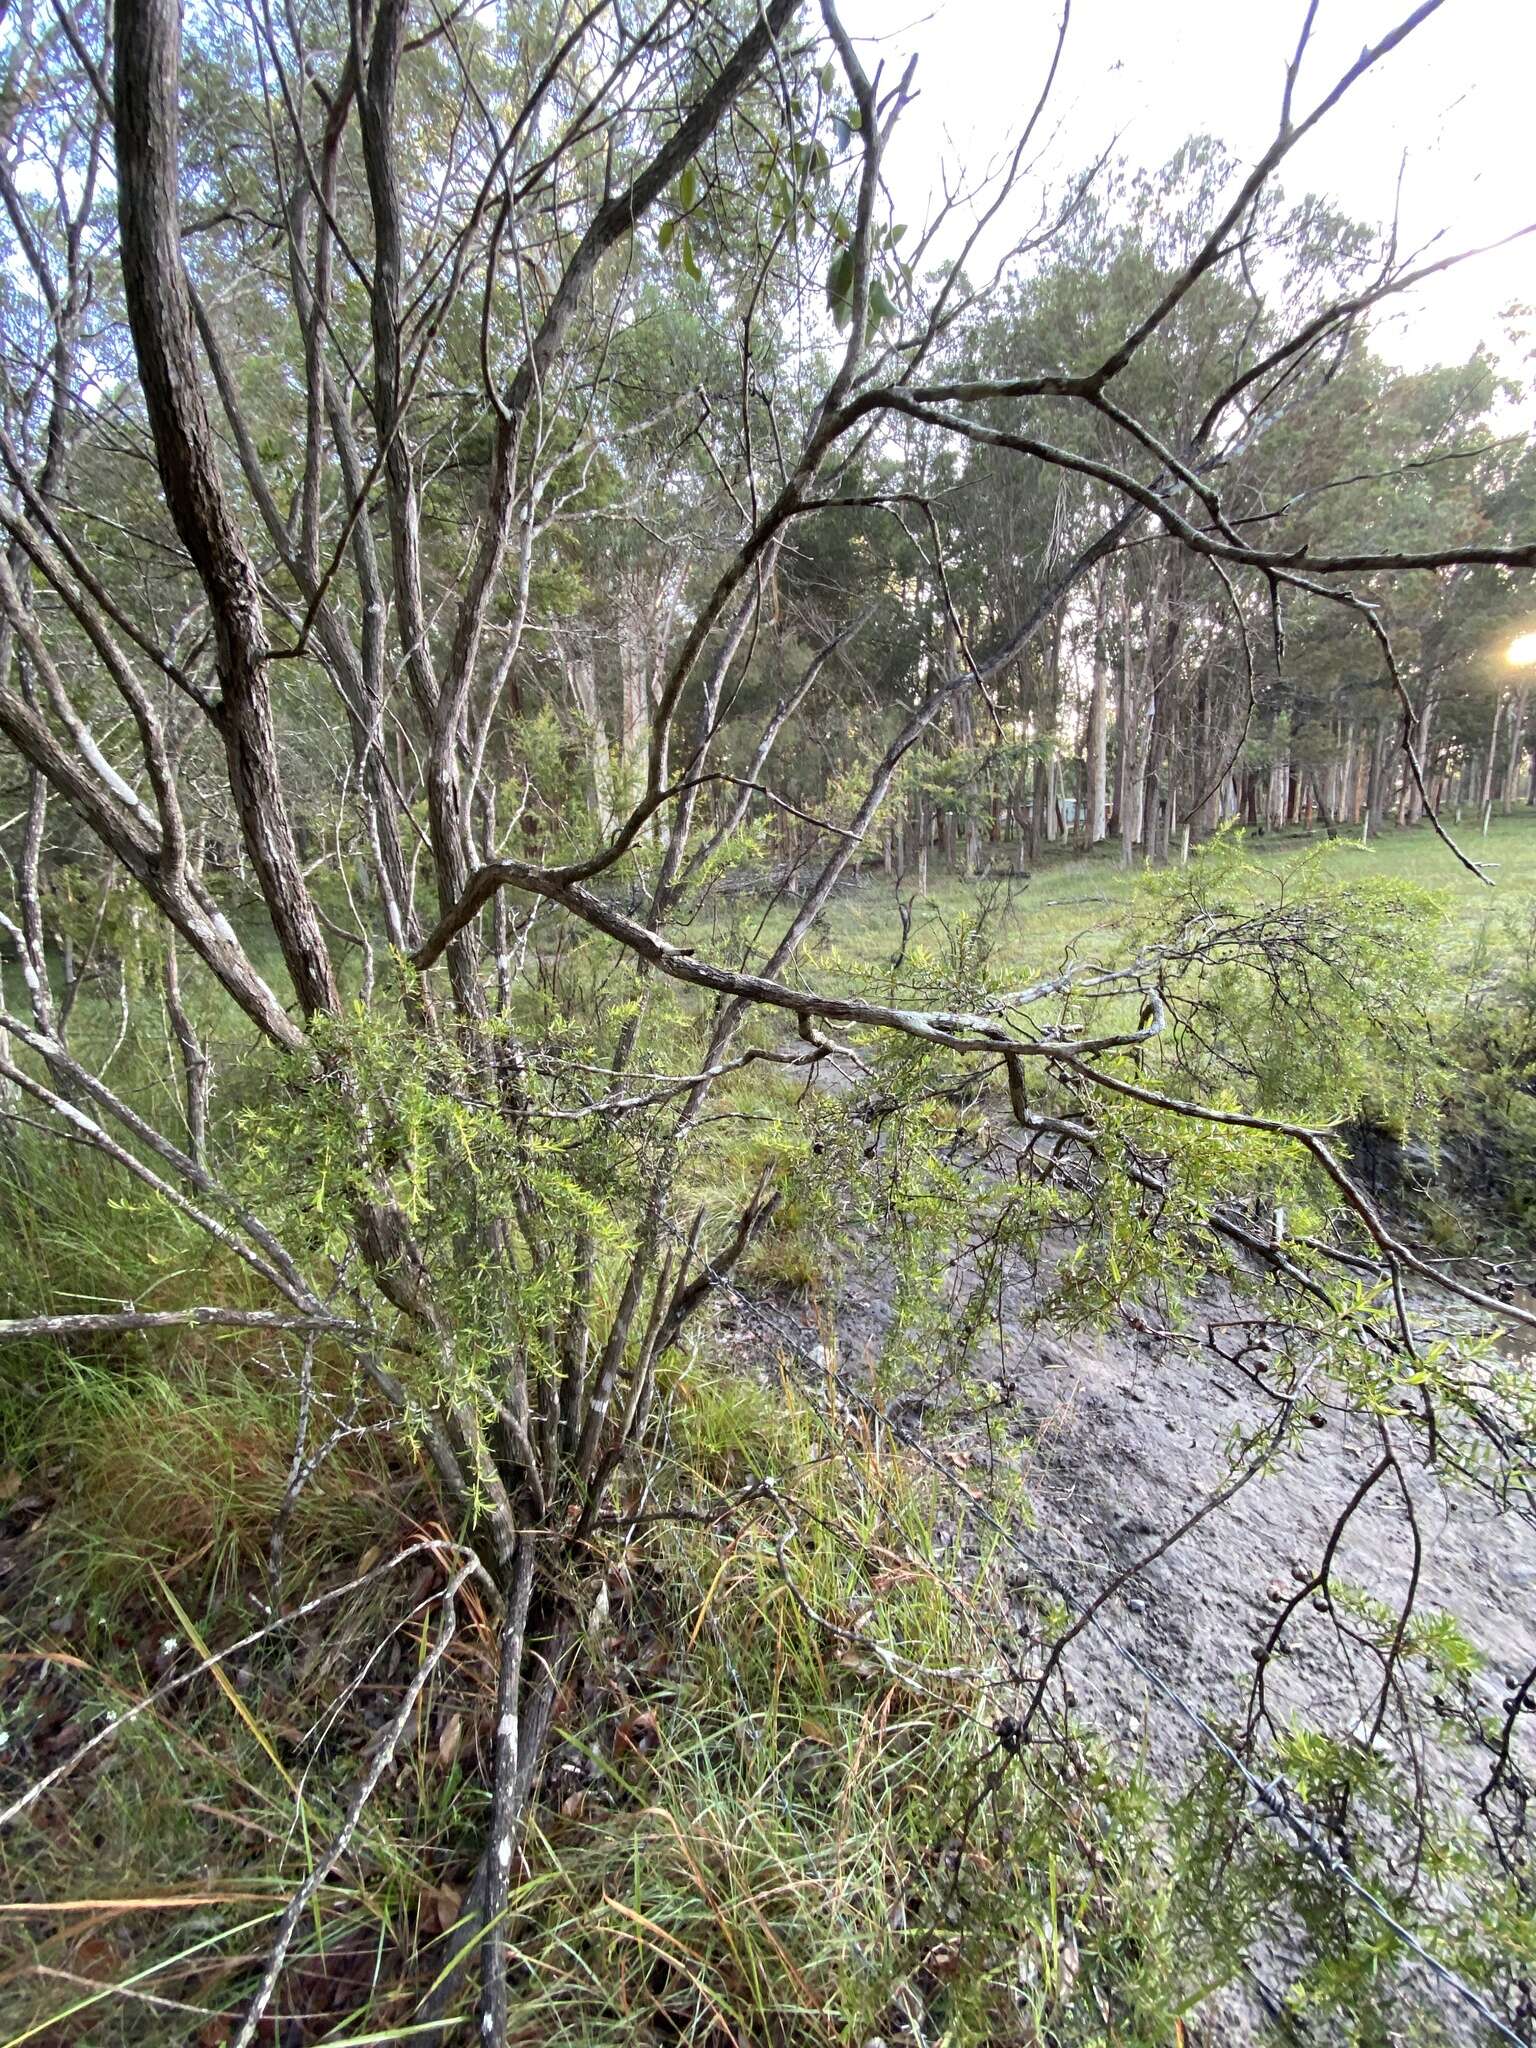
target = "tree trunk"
x: 1098, y: 732
x: 581, y: 673
x: 1371, y: 813
x: 1512, y: 765
x: 1423, y: 744
x: 159, y: 301
x: 1323, y: 809
x: 1123, y: 715
x: 1493, y: 748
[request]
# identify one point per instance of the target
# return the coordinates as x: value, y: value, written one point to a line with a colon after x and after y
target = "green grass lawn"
x: 1078, y: 901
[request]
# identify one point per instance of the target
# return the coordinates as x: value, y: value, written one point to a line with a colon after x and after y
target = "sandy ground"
x: 1120, y: 1437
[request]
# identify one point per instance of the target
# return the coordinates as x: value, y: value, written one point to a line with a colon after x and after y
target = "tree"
x: 346, y: 346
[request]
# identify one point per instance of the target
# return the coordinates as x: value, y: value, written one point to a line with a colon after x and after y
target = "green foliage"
x: 795, y: 1845
x: 1490, y: 1147
x: 1302, y: 989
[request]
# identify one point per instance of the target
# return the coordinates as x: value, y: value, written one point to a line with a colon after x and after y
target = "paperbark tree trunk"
x: 1492, y: 755
x: 1098, y: 732
x: 1512, y: 763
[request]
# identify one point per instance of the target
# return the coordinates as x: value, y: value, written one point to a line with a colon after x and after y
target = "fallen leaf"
x: 450, y: 1741
x: 637, y: 1735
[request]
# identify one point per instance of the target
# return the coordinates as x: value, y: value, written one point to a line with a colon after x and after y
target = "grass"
x: 168, y: 1452
x: 778, y: 1832
x: 1077, y: 901
x: 1075, y: 907
x: 780, y: 1813
x: 767, y: 1825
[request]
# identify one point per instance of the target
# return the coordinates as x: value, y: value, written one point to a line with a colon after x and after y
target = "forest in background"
x: 661, y: 837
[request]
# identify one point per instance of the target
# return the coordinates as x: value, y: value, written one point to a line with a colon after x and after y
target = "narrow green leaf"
x: 881, y: 305
x: 840, y: 285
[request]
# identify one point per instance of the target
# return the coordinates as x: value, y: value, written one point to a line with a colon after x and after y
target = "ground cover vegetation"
x: 596, y: 730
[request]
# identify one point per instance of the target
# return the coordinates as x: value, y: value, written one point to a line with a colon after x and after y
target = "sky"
x: 1457, y: 100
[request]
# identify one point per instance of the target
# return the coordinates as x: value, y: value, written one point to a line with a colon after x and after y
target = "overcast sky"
x: 1459, y: 98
